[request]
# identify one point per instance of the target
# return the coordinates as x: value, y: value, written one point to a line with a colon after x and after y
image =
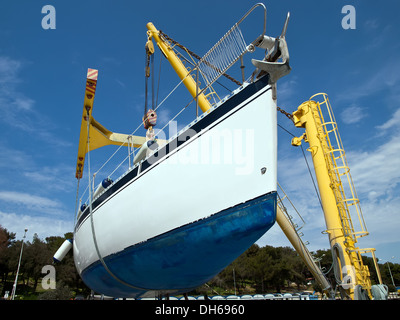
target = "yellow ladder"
x: 338, y: 169
x: 339, y: 198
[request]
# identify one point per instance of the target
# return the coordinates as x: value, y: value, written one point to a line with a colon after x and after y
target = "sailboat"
x: 176, y: 218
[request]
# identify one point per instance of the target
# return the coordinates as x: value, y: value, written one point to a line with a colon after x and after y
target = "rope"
x: 158, y: 82
x: 149, y: 67
x: 76, y: 205
x: 92, y: 222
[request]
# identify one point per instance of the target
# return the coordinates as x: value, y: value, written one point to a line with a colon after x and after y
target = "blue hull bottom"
x: 186, y: 257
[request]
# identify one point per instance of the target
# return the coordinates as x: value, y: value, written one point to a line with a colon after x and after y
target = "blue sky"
x: 42, y: 79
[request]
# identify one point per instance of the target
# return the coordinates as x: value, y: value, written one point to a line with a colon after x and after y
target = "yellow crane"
x: 338, y: 196
x: 290, y: 229
x: 99, y: 135
x: 176, y: 63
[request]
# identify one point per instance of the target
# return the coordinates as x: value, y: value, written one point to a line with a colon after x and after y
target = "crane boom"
x: 99, y: 135
x: 332, y: 172
x: 291, y: 233
x: 178, y: 66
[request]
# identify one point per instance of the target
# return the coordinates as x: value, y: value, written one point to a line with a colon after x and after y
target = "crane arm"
x: 290, y: 232
x: 338, y: 199
x: 99, y: 135
x: 177, y: 65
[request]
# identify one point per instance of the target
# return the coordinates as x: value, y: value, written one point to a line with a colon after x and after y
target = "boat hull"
x: 185, y: 258
x: 188, y: 210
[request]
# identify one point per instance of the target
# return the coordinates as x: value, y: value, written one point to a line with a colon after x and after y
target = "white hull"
x: 190, y: 183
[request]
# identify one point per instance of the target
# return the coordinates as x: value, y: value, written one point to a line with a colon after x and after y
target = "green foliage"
x: 263, y: 268
x: 257, y: 270
x: 62, y: 292
x: 269, y: 269
x: 36, y: 255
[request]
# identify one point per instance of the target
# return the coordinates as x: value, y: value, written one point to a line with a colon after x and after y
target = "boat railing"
x: 228, y: 50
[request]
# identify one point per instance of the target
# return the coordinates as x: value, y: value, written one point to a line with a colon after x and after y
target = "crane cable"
x: 305, y: 158
x: 149, y: 71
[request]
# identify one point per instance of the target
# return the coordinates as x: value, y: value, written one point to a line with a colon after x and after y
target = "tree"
x: 62, y: 292
x: 7, y: 239
x: 265, y: 268
x: 36, y: 256
x: 390, y: 273
x: 66, y: 270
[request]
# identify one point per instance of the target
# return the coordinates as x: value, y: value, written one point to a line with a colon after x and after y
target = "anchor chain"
x: 287, y: 114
